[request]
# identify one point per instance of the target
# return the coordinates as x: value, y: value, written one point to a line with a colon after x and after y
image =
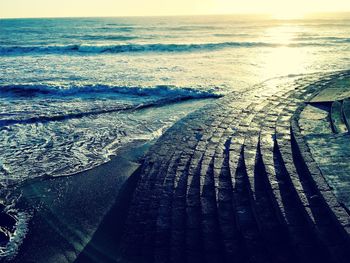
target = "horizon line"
x: 184, y: 15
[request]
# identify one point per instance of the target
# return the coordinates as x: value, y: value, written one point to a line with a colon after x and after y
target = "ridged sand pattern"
x: 237, y: 182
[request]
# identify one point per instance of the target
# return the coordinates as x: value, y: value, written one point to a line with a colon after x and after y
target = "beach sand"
x: 66, y: 211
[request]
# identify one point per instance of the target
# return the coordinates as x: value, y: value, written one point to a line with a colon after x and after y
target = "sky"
x: 86, y: 8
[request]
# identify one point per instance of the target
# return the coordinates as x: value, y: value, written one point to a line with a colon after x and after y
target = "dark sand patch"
x: 68, y: 210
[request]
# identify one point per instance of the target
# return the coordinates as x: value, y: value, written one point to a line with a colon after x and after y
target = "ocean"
x: 75, y: 90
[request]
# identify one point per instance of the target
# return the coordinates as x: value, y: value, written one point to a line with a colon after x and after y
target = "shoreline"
x: 174, y: 102
x: 45, y: 198
x: 69, y: 209
x: 118, y: 152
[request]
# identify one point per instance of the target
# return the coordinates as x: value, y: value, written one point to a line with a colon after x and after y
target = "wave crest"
x: 30, y: 90
x: 126, y: 48
x: 123, y: 48
x: 146, y: 98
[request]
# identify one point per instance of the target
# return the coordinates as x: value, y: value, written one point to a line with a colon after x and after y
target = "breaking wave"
x: 145, y: 98
x: 126, y: 48
x: 30, y: 90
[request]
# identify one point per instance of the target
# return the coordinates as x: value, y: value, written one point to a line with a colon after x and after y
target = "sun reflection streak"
x: 285, y: 57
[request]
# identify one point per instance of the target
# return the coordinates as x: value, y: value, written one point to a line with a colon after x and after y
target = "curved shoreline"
x: 109, y: 177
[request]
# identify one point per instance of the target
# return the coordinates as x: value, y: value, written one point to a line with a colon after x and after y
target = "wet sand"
x: 66, y: 211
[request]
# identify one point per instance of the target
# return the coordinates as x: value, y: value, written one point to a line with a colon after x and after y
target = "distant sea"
x: 71, y: 88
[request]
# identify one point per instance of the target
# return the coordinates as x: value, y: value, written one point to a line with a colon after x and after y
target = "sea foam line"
x: 33, y: 89
x: 127, y: 48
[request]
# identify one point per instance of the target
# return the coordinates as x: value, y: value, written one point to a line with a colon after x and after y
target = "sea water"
x: 75, y: 90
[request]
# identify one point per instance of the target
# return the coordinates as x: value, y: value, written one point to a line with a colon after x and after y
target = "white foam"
x: 9, y: 252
